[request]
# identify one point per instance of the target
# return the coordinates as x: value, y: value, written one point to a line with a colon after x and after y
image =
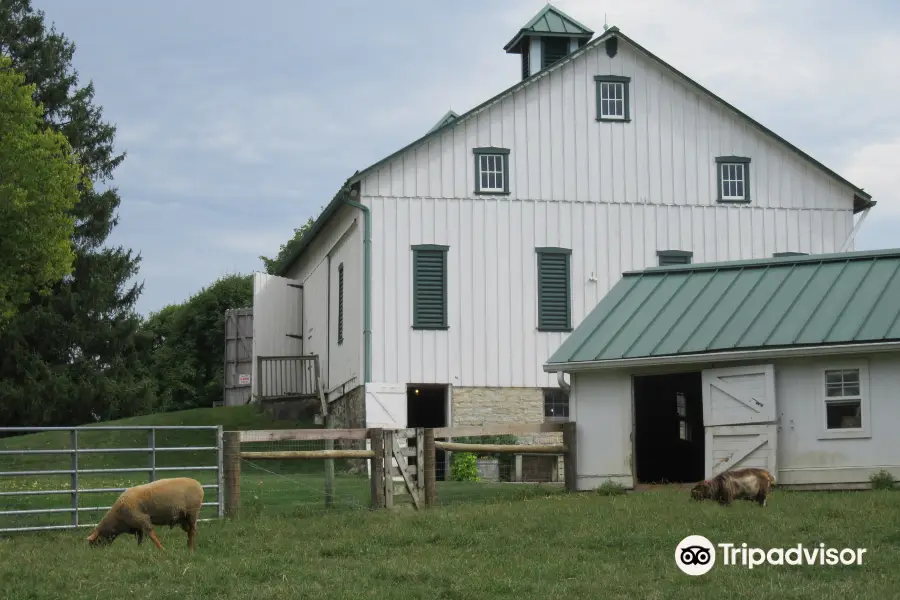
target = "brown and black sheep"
x: 724, y: 488
x: 169, y: 502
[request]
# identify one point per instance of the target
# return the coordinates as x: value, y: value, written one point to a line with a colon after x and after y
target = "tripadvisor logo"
x: 696, y: 555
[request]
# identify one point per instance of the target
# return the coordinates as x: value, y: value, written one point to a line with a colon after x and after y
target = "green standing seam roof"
x: 549, y: 21
x: 790, y: 301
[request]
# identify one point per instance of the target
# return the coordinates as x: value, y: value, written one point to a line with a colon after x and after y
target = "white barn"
x: 791, y: 364
x: 438, y: 280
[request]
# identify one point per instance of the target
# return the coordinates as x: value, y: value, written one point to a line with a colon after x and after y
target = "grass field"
x: 580, y: 546
x: 287, y: 487
x: 484, y: 541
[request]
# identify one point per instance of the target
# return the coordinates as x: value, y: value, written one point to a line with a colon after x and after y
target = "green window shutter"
x: 430, y: 287
x: 554, y: 290
x: 341, y: 303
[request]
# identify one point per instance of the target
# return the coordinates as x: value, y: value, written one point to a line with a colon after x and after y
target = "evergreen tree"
x: 76, y: 352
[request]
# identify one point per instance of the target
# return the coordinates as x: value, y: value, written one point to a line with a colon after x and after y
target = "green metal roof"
x: 790, y: 301
x: 550, y: 21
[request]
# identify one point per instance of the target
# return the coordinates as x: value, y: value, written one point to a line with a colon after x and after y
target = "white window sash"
x: 740, y: 177
x: 485, y: 162
x: 612, y: 100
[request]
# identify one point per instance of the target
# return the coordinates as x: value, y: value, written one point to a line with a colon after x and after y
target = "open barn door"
x: 740, y: 419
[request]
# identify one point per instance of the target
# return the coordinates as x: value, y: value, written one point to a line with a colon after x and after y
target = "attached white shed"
x: 790, y: 363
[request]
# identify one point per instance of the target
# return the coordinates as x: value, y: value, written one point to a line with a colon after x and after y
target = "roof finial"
x: 605, y: 26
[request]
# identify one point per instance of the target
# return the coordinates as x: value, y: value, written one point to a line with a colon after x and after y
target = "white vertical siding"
x: 558, y: 151
x: 317, y: 270
x: 276, y: 311
x: 600, y: 404
x: 492, y: 272
x: 805, y: 459
x: 614, y: 193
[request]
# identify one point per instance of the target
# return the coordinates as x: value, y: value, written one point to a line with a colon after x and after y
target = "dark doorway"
x: 426, y: 406
x: 668, y: 428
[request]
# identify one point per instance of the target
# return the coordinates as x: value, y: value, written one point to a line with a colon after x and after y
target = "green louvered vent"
x: 554, y: 49
x: 674, y: 259
x: 553, y: 291
x: 341, y: 303
x: 429, y: 289
x: 526, y: 60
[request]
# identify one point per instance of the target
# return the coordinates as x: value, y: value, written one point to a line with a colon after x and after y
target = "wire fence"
x: 297, y: 487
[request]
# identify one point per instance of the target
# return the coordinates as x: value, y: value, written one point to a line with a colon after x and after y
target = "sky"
x: 240, y: 121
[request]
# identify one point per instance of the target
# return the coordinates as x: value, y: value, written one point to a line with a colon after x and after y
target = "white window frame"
x: 822, y: 401
x: 619, y: 99
x: 499, y: 172
x: 743, y: 179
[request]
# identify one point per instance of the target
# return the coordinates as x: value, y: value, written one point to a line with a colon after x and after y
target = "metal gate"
x: 31, y: 479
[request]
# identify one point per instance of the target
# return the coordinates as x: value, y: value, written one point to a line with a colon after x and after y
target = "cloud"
x: 877, y: 164
x: 237, y: 134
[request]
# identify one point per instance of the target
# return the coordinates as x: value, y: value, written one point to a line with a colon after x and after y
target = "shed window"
x: 684, y: 428
x: 613, y: 102
x: 491, y: 170
x: 843, y: 399
x: 430, y: 287
x: 844, y: 402
x: 340, y: 304
x: 733, y: 174
x: 554, y: 297
x: 556, y: 404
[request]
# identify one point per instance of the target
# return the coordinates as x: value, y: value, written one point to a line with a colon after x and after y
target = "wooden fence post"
x: 376, y: 438
x: 388, y: 438
x: 420, y: 465
x: 231, y: 449
x: 570, y: 461
x: 430, y: 460
x: 329, y: 465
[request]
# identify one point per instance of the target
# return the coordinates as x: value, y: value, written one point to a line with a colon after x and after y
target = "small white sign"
x: 243, y: 379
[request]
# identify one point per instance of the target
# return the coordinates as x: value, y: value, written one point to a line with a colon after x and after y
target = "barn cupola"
x: 550, y: 36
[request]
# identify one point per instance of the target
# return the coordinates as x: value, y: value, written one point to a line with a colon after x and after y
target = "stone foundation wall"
x: 492, y: 406
x: 349, y: 412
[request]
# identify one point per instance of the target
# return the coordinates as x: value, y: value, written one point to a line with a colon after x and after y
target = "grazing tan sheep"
x: 169, y: 502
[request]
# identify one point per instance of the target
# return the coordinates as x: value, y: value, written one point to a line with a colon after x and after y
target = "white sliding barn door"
x: 740, y: 419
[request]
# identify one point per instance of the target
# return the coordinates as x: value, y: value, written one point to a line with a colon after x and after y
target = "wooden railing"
x: 287, y: 377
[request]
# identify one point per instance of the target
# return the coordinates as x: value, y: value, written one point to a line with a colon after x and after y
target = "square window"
x: 556, y: 404
x: 733, y: 175
x: 844, y: 396
x: 612, y: 98
x: 491, y: 171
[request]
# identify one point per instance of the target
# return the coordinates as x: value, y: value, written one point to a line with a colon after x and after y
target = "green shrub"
x: 505, y: 461
x: 610, y: 488
x: 882, y: 480
x: 464, y: 467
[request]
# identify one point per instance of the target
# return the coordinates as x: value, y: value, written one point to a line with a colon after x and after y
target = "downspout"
x: 367, y: 287
x: 561, y: 380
